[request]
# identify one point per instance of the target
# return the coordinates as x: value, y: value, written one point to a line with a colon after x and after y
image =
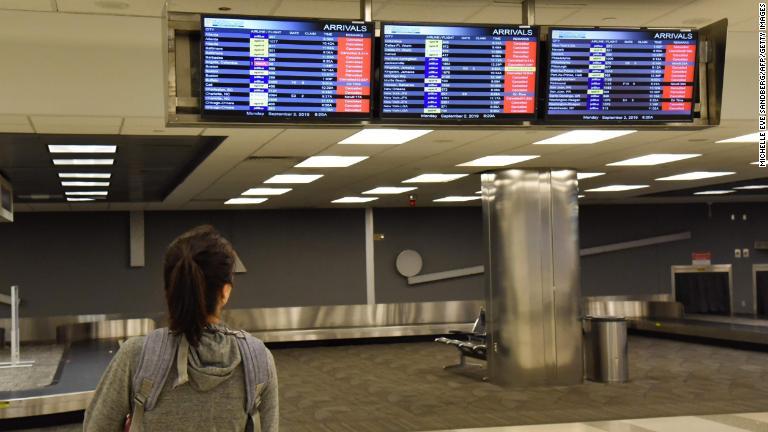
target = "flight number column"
x: 258, y: 97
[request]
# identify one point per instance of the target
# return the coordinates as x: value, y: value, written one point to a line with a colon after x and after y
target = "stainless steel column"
x: 532, y: 277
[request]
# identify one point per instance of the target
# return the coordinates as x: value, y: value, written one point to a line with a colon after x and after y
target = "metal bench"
x: 469, y: 344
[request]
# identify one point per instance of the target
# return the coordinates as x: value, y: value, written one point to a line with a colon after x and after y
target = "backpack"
x: 159, y: 352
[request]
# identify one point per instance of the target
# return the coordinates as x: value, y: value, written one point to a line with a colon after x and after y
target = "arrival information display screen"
x: 270, y: 70
x: 621, y: 75
x: 458, y: 72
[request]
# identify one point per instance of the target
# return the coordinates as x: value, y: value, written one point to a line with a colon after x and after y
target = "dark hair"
x: 197, y: 266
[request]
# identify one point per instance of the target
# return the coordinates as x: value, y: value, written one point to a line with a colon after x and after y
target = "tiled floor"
x: 753, y: 422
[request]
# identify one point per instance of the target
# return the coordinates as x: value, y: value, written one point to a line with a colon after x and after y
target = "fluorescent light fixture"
x: 266, y: 191
x: 752, y: 187
x: 580, y: 196
x: 331, y: 161
x: 586, y: 175
x: 80, y: 199
x: 84, y: 183
x: 85, y: 175
x: 244, y: 201
x: 696, y: 175
x: 654, y: 159
x: 354, y: 200
x: 434, y: 178
x: 749, y: 138
x: 385, y: 136
x: 585, y: 136
x: 457, y: 199
x: 616, y: 188
x: 86, y: 193
x: 82, y: 148
x: 83, y: 161
x: 293, y: 178
x: 479, y: 192
x: 714, y: 192
x: 389, y: 190
x: 498, y: 160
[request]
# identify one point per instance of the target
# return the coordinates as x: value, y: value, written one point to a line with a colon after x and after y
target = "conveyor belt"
x: 721, y: 328
x: 81, y: 368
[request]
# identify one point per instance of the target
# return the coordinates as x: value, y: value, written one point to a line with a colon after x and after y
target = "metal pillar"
x: 15, y: 336
x: 532, y: 291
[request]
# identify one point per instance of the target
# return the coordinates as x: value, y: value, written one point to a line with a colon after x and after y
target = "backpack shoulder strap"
x: 157, y: 356
x: 256, y: 367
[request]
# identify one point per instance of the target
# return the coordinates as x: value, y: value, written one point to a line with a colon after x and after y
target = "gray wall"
x: 647, y: 270
x: 77, y: 262
x: 446, y: 238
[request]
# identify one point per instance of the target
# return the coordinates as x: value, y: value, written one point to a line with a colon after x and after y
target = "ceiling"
x: 145, y: 169
x: 109, y: 81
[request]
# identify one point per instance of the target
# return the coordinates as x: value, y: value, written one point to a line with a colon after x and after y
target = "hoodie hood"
x: 212, y: 362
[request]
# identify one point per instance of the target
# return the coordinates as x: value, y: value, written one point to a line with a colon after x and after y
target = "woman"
x: 208, y: 390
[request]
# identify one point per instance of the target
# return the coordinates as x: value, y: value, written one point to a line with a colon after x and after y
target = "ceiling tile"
x: 153, y: 8
x: 29, y: 5
x: 303, y: 142
x: 76, y: 124
x: 15, y: 123
x: 154, y: 126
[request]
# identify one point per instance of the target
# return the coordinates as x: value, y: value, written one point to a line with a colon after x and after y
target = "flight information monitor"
x: 610, y: 75
x: 451, y: 72
x: 278, y: 70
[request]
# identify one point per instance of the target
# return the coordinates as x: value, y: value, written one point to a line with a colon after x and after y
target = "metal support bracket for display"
x: 13, y: 301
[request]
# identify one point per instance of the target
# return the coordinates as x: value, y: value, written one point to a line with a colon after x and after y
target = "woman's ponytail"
x: 197, y: 266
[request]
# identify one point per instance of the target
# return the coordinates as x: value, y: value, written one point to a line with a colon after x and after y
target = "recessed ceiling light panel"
x: 586, y: 175
x: 749, y: 138
x: 752, y: 187
x: 354, y: 200
x: 83, y: 161
x: 244, y: 201
x: 85, y: 175
x: 695, y: 175
x: 331, y: 161
x: 293, y: 178
x: 389, y: 190
x: 585, y: 136
x: 86, y: 193
x: 616, y: 188
x: 385, y: 136
x: 498, y: 160
x: 259, y: 191
x: 84, y: 183
x: 434, y: 178
x: 654, y: 159
x: 714, y: 192
x: 456, y: 198
x: 82, y: 148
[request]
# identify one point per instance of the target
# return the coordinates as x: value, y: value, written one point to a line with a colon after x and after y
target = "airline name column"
x: 259, y: 72
x: 433, y: 73
x: 596, y: 75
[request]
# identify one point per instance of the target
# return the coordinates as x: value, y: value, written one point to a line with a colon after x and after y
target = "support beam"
x: 366, y: 10
x: 137, y: 238
x: 370, y: 276
x: 529, y: 12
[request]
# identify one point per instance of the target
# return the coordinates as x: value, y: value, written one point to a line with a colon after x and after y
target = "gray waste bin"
x: 605, y: 349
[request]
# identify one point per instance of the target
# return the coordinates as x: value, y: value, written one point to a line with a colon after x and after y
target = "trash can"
x: 605, y: 349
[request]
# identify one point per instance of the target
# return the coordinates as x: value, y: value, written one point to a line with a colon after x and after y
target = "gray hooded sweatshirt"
x: 212, y: 400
